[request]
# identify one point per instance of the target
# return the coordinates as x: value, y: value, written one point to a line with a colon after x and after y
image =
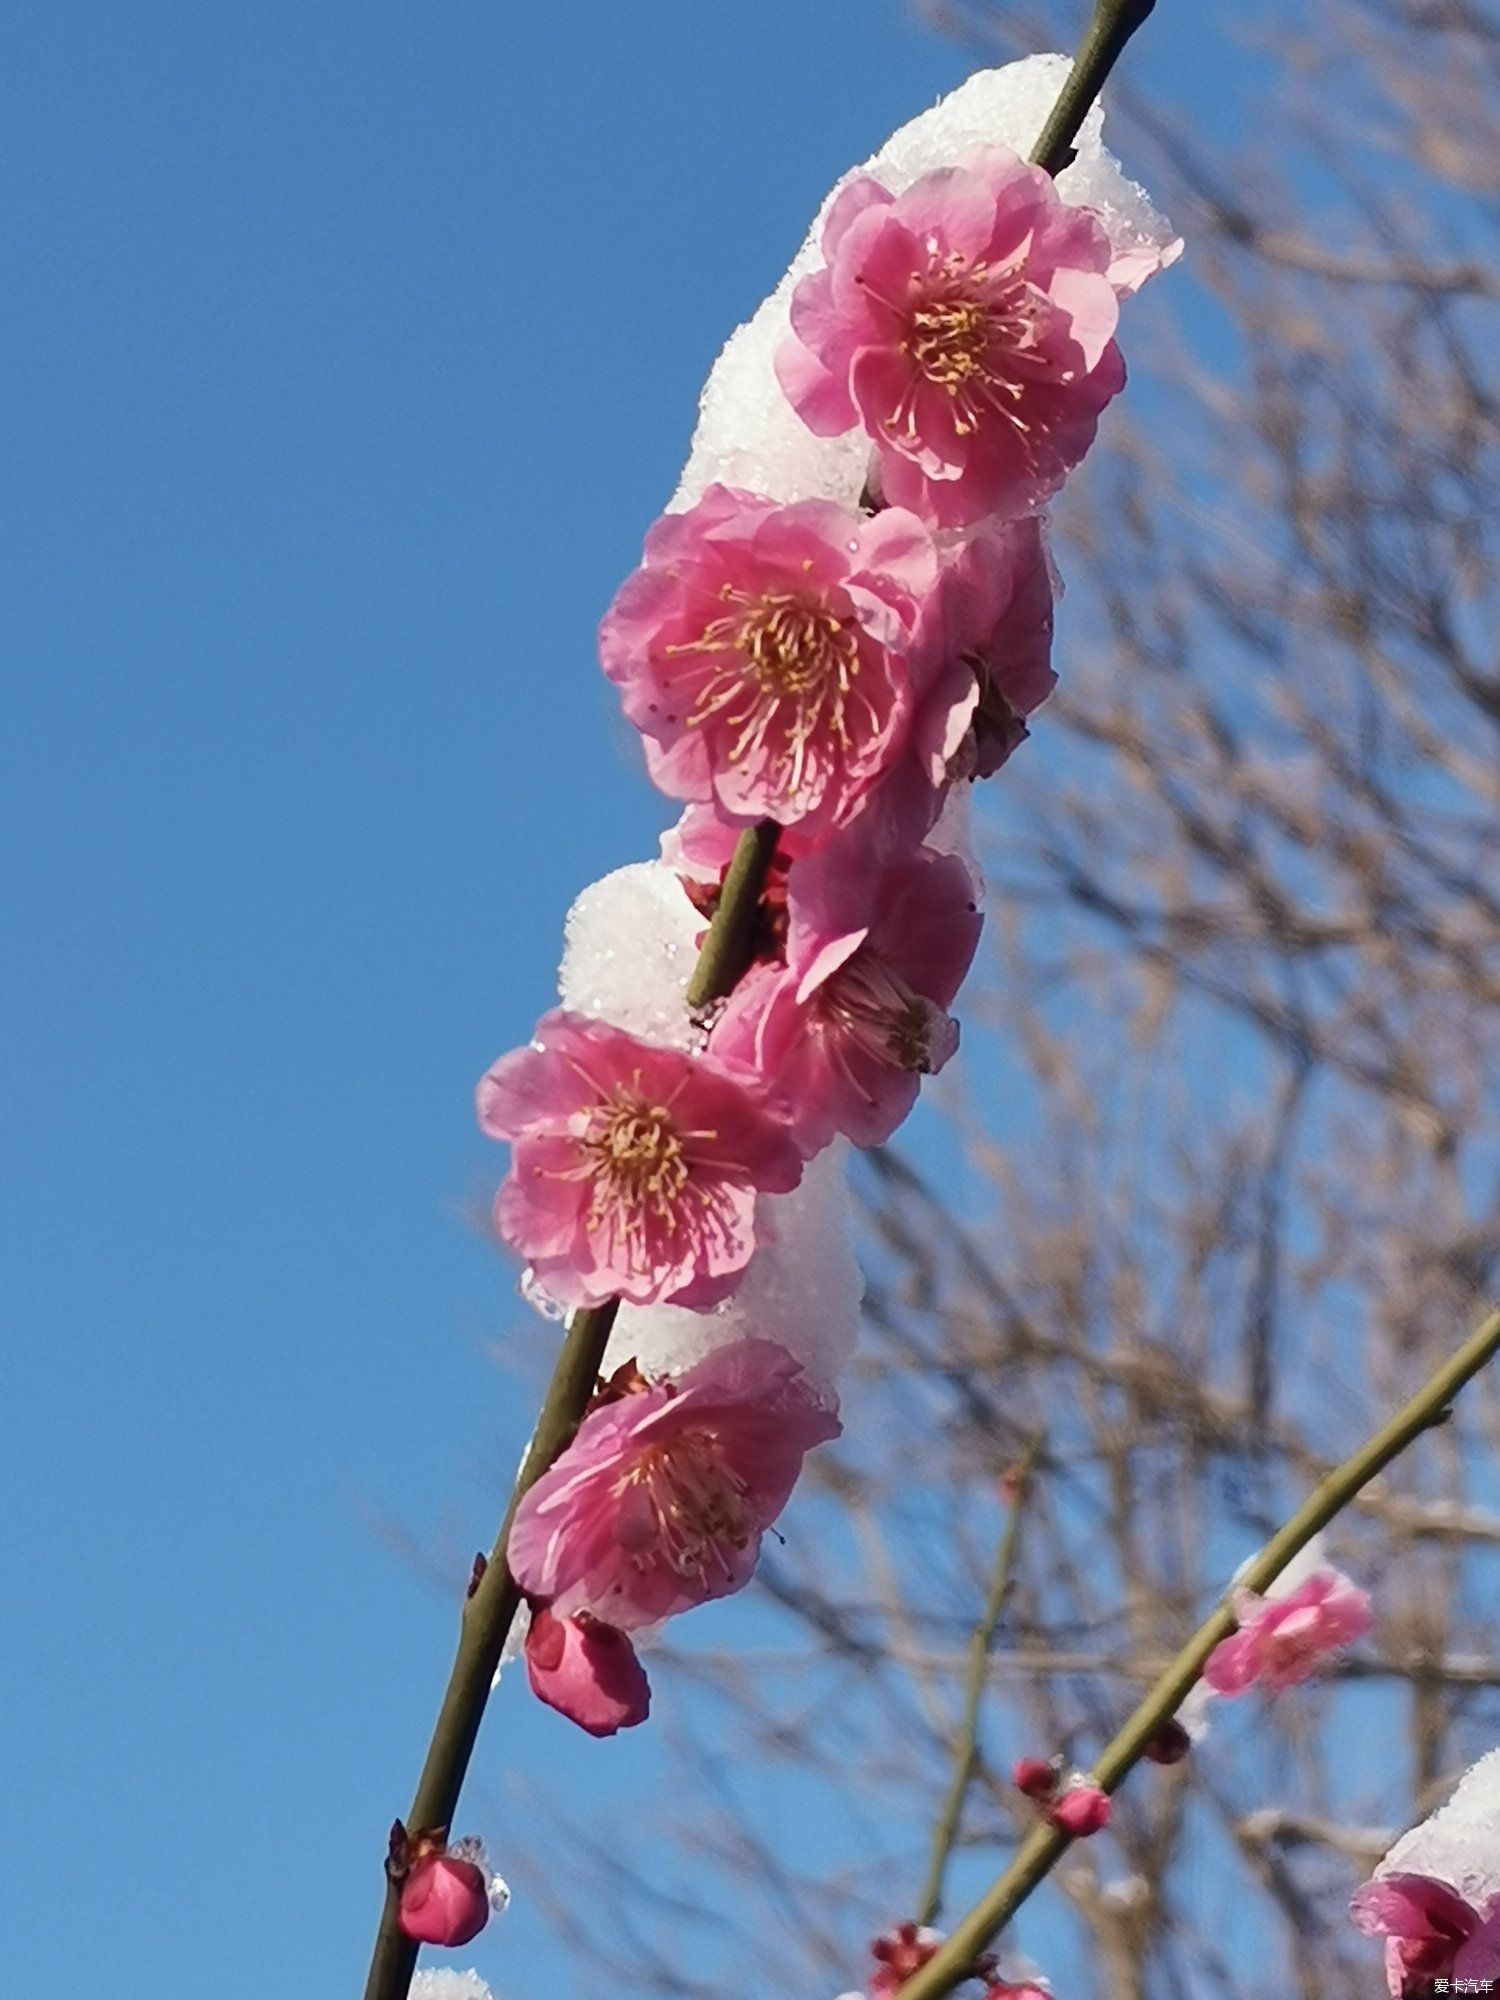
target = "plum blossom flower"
x: 635, y: 1168
x: 901, y: 1952
x: 1282, y: 1640
x: 987, y: 631
x: 761, y: 651
x: 898, y: 1953
x: 1430, y: 1932
x: 842, y: 1034
x: 587, y: 1671
x: 749, y: 434
x: 660, y: 1501
x: 968, y: 324
x: 1435, y: 1898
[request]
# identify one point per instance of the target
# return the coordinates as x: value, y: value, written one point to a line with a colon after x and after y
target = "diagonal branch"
x: 1045, y: 1844
x: 491, y: 1608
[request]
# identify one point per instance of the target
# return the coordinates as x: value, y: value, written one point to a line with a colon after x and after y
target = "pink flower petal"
x: 586, y: 1671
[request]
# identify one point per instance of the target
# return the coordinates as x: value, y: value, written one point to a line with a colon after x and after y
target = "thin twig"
x: 1113, y: 24
x: 488, y: 1614
x: 491, y: 1608
x: 966, y: 1762
x: 1042, y: 1847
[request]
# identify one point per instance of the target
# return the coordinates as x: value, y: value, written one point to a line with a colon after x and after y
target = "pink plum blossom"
x: 968, y: 324
x: 1431, y: 1932
x: 761, y: 651
x: 635, y: 1168
x: 1282, y: 1640
x: 587, y: 1671
x: 445, y: 1898
x: 661, y: 1500
x: 1435, y: 1898
x: 902, y: 1951
x: 985, y: 653
x: 842, y: 1034
x: 898, y: 1953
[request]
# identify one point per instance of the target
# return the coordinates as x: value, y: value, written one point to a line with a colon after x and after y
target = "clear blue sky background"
x: 347, y: 351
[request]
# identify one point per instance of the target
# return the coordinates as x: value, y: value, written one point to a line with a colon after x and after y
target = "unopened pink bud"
x: 587, y: 1671
x: 444, y: 1900
x: 1081, y: 1810
x: 1034, y: 1776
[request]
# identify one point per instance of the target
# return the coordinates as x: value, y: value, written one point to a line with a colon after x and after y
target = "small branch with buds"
x: 490, y: 1608
x: 1048, y: 1841
x: 493, y: 1597
x: 966, y: 1762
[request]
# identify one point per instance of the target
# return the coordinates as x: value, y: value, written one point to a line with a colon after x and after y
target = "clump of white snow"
x: 445, y: 1985
x: 802, y: 1289
x: 748, y: 434
x: 630, y: 945
x: 1308, y: 1560
x: 1192, y: 1716
x: 1460, y: 1844
x: 1009, y: 107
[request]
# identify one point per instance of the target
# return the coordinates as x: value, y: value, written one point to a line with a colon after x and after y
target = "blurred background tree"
x: 1216, y: 1181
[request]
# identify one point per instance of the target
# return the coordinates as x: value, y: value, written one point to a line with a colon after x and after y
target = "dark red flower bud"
x: 1170, y: 1744
x: 1035, y: 1776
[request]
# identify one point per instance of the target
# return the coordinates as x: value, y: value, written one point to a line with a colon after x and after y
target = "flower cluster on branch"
x: 830, y: 646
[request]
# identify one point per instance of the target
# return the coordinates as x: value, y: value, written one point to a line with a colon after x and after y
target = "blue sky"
x: 347, y: 352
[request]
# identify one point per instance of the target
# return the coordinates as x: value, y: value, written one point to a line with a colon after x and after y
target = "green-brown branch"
x: 966, y: 1761
x: 491, y: 1608
x: 730, y: 943
x: 1104, y: 39
x: 1042, y: 1847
